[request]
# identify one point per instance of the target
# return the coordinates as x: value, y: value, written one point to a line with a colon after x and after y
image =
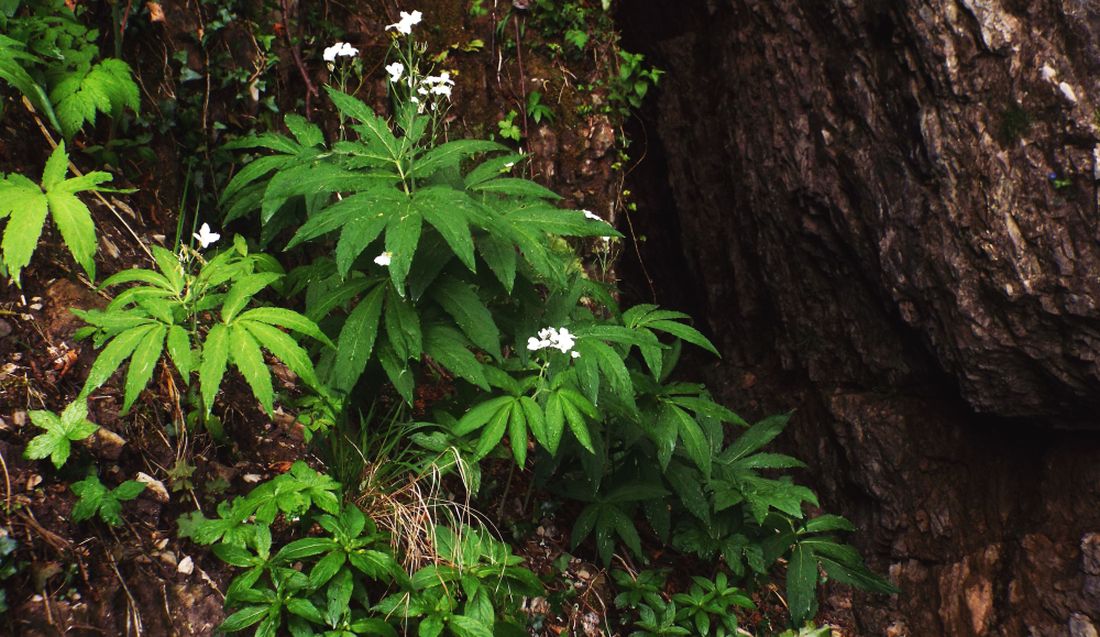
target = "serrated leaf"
x: 25, y: 204
x: 694, y: 440
x: 74, y: 220
x: 289, y: 319
x: 402, y: 238
x: 215, y: 356
x: 448, y: 348
x: 356, y: 340
x: 284, y: 348
x: 144, y: 359
x: 514, y: 187
x: 801, y: 584
x: 403, y: 327
x: 463, y: 304
x: 117, y: 350
x: 179, y: 349
x: 500, y: 256
x: 481, y: 414
x: 755, y: 437
x: 450, y: 154
x: 307, y: 133
x: 243, y: 290
x: 246, y: 356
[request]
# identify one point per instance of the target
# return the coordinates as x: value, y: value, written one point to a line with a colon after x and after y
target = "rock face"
x: 890, y: 215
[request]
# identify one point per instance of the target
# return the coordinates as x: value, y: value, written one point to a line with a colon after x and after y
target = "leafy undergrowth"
x: 386, y: 387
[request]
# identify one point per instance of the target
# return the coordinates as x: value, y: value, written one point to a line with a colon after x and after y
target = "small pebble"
x: 186, y: 566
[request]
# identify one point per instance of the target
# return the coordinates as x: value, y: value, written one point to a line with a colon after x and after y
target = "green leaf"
x: 215, y: 356
x: 402, y: 237
x: 450, y: 154
x: 493, y: 432
x: 179, y: 349
x: 513, y: 187
x: 26, y: 205
x: 453, y: 226
x: 356, y: 340
x: 307, y: 133
x: 575, y: 419
x: 536, y: 420
x: 145, y: 358
x: 464, y: 626
x: 481, y: 414
x: 463, y: 304
x: 801, y: 584
x: 567, y: 223
x: 826, y: 523
x: 684, y: 332
x: 403, y: 326
x: 286, y: 318
x: 500, y: 255
x: 374, y: 126
x: 448, y: 347
x: 112, y: 356
x: 695, y: 441
x: 78, y: 231
x: 284, y: 348
x: 243, y: 290
x: 517, y: 433
x: 555, y: 423
x: 57, y: 166
x: 756, y: 437
x: 243, y: 618
x: 249, y: 360
x: 355, y: 236
x: 128, y: 490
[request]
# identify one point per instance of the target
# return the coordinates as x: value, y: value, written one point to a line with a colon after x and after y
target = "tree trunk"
x: 888, y: 213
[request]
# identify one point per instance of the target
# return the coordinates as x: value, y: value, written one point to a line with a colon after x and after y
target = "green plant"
x: 61, y: 431
x: 536, y: 110
x: 25, y: 205
x: 708, y: 606
x: 632, y: 83
x: 449, y: 274
x: 474, y: 588
x: 94, y: 497
x: 809, y: 630
x: 50, y: 57
x: 507, y: 127
x: 166, y: 314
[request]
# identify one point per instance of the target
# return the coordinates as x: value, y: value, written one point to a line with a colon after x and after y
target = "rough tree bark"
x: 890, y: 214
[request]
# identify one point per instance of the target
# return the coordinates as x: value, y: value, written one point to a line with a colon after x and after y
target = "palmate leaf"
x: 55, y: 443
x: 215, y: 357
x: 26, y: 204
x: 108, y: 87
x: 451, y: 154
x: 142, y: 362
x: 249, y: 360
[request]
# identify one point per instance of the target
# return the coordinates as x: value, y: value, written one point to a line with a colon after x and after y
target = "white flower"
x: 205, y: 237
x: 558, y: 338
x: 383, y: 259
x: 442, y: 89
x: 443, y: 79
x: 395, y: 70
x: 407, y: 21
x: 340, y: 49
x: 591, y: 215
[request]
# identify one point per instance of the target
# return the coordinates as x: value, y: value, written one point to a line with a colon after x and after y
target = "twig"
x: 132, y: 612
x: 522, y: 79
x: 7, y: 485
x: 311, y: 90
x: 78, y: 173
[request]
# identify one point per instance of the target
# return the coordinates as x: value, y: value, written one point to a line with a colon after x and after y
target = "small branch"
x: 311, y: 90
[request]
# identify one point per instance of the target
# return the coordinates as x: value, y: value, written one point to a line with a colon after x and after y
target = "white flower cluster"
x: 405, y: 25
x: 560, y: 339
x: 340, y: 49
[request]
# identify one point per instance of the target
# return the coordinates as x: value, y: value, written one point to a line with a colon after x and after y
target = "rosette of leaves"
x: 165, y: 316
x: 62, y: 430
x: 463, y: 242
x: 25, y: 205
